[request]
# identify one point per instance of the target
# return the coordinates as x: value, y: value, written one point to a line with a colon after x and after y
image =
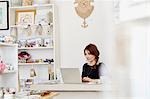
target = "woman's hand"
x: 87, y: 79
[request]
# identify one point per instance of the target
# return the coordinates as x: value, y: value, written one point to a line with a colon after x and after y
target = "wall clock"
x: 84, y: 9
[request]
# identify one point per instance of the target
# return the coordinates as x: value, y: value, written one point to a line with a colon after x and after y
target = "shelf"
x: 32, y: 6
x: 23, y: 64
x: 34, y: 48
x: 8, y: 44
x: 37, y: 36
x: 26, y: 25
x: 9, y: 72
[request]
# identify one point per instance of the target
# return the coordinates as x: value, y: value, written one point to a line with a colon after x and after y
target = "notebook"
x: 70, y: 75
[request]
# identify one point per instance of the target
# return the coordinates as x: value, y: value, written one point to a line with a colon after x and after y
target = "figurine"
x: 2, y: 66
x: 27, y: 2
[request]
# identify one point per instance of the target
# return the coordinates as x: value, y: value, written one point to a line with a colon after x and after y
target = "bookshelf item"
x: 25, y: 17
x: 27, y: 2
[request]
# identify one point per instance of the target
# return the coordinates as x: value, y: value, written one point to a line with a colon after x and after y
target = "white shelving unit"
x: 49, y: 52
x: 8, y: 53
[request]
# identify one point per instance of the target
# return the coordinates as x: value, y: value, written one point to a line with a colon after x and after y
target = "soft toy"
x: 2, y: 66
x: 8, y: 39
x: 24, y: 55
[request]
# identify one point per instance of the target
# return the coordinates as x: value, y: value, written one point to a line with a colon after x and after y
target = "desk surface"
x: 68, y: 87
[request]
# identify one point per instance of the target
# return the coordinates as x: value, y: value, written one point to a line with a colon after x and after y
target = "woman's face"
x: 89, y: 56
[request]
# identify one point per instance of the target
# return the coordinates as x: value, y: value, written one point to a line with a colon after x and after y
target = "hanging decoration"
x: 39, y: 29
x: 32, y: 72
x: 28, y: 30
x: 84, y: 9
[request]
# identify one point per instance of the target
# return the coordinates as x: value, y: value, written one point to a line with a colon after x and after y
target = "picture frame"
x: 4, y: 15
x: 25, y: 17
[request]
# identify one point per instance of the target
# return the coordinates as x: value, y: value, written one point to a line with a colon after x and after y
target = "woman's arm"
x: 84, y: 73
x: 87, y: 79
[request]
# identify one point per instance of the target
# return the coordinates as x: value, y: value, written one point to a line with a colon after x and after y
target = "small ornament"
x: 49, y: 29
x: 28, y: 30
x: 13, y: 32
x: 39, y: 29
x: 84, y: 9
x: 32, y: 72
x: 27, y: 2
x: 2, y: 66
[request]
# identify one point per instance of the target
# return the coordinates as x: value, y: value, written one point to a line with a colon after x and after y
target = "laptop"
x: 71, y: 75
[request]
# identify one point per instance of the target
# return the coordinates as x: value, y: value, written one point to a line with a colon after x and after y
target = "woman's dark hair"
x: 93, y: 50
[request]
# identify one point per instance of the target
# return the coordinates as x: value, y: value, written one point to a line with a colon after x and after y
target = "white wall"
x: 148, y: 61
x: 74, y: 38
x: 134, y: 9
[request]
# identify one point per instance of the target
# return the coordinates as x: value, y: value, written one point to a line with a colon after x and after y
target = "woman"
x: 92, y: 70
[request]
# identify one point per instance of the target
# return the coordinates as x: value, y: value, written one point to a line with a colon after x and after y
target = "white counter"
x: 72, y: 91
x: 68, y: 87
